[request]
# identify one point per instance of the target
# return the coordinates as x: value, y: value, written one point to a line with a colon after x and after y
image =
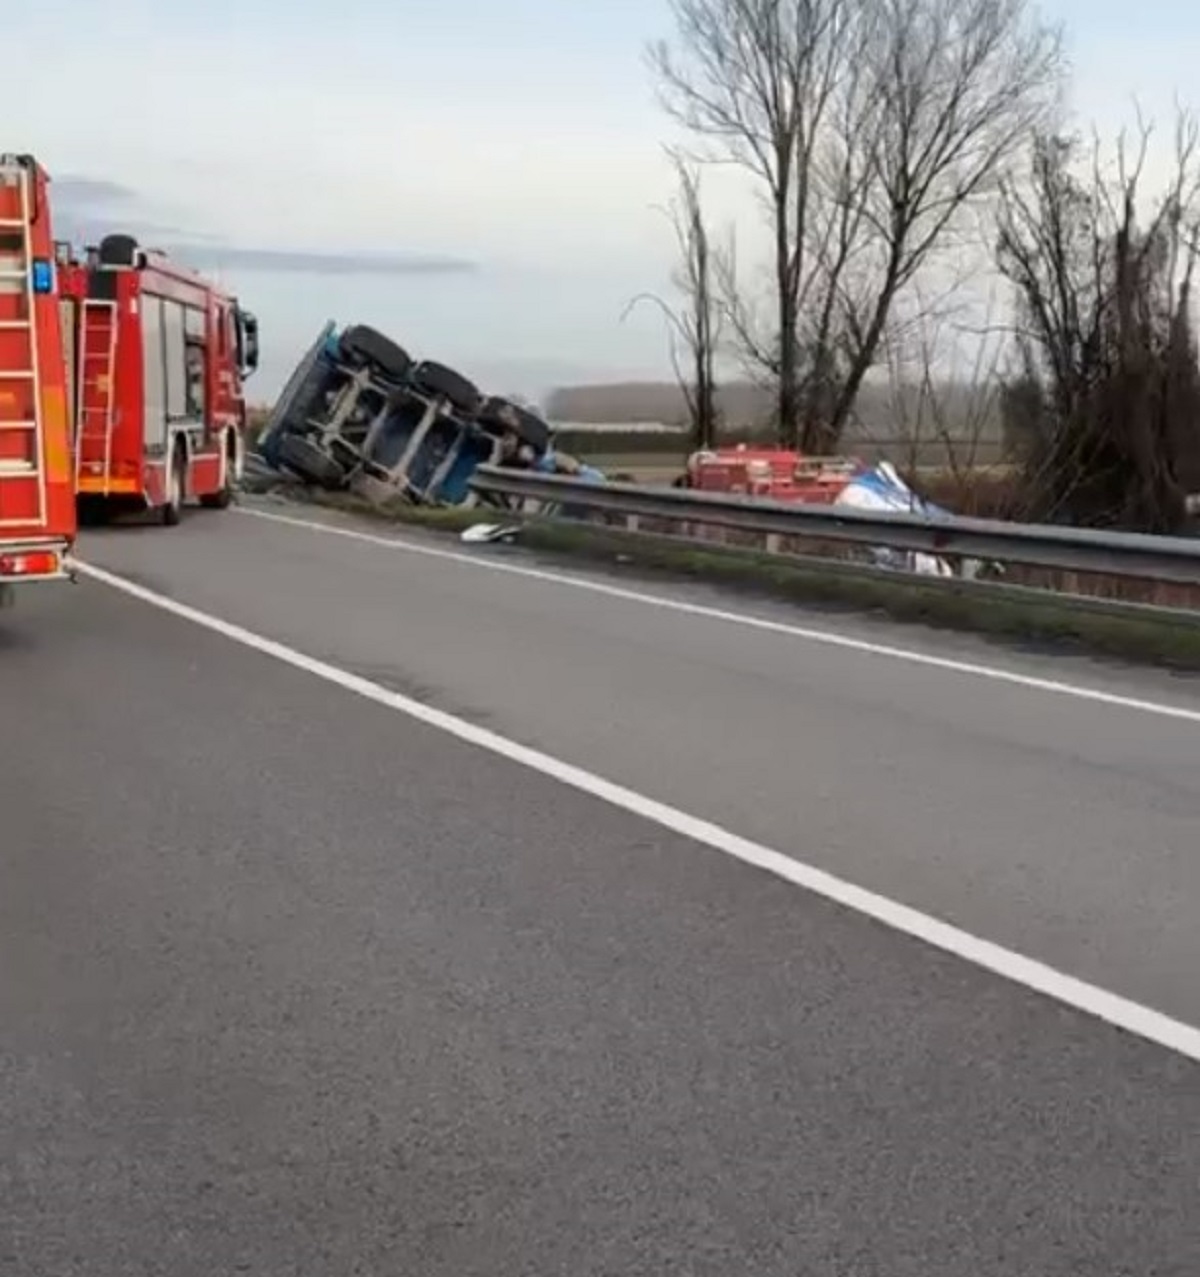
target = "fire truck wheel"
x: 437, y: 379
x: 223, y: 499
x: 172, y: 510
x: 366, y: 345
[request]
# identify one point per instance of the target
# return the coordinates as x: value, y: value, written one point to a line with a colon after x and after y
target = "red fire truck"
x: 780, y: 474
x: 157, y: 356
x: 37, y: 490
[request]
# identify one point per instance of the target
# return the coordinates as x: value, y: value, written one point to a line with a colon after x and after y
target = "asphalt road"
x: 1065, y: 829
x: 292, y: 984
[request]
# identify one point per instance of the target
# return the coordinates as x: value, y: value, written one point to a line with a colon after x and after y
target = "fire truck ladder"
x: 18, y: 340
x: 94, y: 393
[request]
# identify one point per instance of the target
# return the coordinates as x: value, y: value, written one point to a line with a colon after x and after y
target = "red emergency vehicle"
x: 37, y: 490
x: 780, y: 474
x: 157, y: 357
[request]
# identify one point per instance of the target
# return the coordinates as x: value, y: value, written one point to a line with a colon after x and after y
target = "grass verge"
x: 1002, y: 613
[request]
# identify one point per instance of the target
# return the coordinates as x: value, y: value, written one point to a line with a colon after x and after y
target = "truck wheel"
x: 310, y: 463
x: 360, y: 344
x: 172, y: 510
x: 458, y: 392
x: 530, y: 428
x: 223, y: 499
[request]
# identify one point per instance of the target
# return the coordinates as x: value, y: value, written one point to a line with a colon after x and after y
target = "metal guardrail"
x: 1126, y: 554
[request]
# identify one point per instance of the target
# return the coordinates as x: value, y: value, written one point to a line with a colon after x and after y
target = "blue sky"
x: 498, y: 162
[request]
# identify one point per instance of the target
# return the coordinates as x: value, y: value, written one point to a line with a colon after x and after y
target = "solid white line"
x: 969, y: 668
x: 1125, y: 1014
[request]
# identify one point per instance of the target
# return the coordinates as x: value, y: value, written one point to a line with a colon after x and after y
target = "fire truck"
x: 780, y: 474
x: 156, y: 357
x: 37, y: 483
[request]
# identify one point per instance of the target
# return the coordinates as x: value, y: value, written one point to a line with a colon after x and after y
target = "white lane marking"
x: 1131, y: 1016
x: 970, y: 668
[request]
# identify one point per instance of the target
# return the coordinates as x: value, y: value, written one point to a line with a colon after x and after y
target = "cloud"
x: 86, y: 208
x: 297, y: 261
x: 86, y: 191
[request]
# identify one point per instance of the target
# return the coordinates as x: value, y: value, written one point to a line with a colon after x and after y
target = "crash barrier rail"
x: 1172, y: 561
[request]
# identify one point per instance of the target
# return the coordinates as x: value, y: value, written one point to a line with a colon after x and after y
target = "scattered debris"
x: 489, y: 532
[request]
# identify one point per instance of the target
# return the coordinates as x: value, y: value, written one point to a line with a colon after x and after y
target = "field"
x: 654, y: 467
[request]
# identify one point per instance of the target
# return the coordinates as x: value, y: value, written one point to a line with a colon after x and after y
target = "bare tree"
x: 1106, y: 411
x: 944, y: 421
x: 695, y: 324
x: 868, y: 126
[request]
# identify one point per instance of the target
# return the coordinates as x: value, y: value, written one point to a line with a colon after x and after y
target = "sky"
x: 483, y: 179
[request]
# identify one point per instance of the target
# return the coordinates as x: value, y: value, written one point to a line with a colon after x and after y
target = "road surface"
x: 292, y: 983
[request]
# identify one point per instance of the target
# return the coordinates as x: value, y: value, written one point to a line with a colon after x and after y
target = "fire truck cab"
x: 157, y: 356
x: 37, y: 500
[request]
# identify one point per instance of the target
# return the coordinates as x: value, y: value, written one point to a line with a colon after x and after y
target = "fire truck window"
x: 193, y: 323
x: 154, y: 421
x: 175, y: 350
x: 195, y: 379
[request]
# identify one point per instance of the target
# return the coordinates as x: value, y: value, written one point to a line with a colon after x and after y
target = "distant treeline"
x: 906, y: 425
x: 880, y: 409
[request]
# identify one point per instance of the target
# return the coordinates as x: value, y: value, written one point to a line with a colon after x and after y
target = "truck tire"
x: 172, y: 510
x: 223, y: 499
x: 531, y: 429
x: 304, y: 457
x: 363, y: 345
x: 306, y: 401
x: 439, y: 380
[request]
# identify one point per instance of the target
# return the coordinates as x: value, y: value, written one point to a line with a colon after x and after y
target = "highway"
x: 324, y: 948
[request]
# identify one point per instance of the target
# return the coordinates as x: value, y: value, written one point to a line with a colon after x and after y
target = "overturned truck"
x: 360, y: 414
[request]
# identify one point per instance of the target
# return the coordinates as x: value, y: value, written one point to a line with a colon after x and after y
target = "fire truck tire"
x: 360, y: 344
x: 531, y: 429
x: 458, y: 392
x: 172, y: 510
x: 310, y: 463
x: 223, y: 499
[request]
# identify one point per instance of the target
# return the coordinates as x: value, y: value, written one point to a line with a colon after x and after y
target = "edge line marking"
x: 1133, y: 1017
x: 969, y: 668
